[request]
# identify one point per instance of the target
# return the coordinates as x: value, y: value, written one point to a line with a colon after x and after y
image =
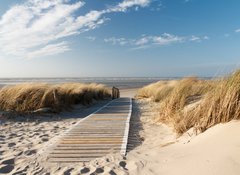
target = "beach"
x: 215, y: 151
x: 127, y: 87
x: 25, y: 141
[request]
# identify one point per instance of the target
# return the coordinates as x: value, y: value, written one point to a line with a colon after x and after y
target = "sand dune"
x: 216, y: 151
x: 23, y: 143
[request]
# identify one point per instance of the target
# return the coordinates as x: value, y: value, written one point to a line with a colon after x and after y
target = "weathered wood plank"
x: 76, y: 155
x: 106, y: 151
x: 101, y: 133
x: 68, y: 160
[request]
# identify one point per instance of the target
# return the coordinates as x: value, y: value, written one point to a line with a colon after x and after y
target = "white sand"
x: 24, y: 143
x: 129, y: 92
x: 216, y: 151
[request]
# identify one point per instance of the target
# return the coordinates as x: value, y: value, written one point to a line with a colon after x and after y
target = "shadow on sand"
x: 134, y: 138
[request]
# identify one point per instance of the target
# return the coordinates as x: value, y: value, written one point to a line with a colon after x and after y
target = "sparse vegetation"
x: 192, y: 102
x: 33, y: 96
x: 157, y: 91
x: 221, y: 104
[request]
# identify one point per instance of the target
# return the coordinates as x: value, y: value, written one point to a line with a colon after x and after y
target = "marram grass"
x: 192, y: 102
x: 33, y: 96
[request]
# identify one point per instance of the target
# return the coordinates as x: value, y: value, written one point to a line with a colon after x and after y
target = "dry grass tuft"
x: 174, y: 97
x: 187, y: 91
x: 33, y: 96
x: 192, y: 102
x: 156, y: 91
x: 222, y: 104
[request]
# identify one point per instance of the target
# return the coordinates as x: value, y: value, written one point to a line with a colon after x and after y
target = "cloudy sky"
x: 72, y: 38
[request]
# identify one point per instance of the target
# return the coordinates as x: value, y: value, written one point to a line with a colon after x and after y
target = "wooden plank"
x: 76, y: 155
x: 103, y: 132
x: 69, y: 160
x: 91, y: 141
x: 90, y: 146
x: 106, y: 151
x: 92, y: 137
x: 93, y: 134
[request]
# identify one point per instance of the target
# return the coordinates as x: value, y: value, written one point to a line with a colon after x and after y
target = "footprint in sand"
x: 112, y: 172
x: 30, y: 152
x: 6, y: 169
x: 45, y: 139
x: 68, y: 172
x: 99, y: 170
x: 84, y: 170
x: 10, y: 161
x: 11, y: 144
x: 13, y: 135
x: 56, y: 127
x: 123, y: 164
x: 2, y: 138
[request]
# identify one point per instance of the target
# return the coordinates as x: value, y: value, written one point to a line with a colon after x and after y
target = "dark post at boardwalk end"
x: 115, y: 93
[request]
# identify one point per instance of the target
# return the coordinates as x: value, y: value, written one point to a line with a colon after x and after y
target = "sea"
x: 119, y: 82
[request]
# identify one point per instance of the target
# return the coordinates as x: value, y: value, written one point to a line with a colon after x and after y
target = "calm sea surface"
x: 120, y: 82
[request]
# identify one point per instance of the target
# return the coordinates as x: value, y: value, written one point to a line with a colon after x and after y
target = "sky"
x: 122, y: 38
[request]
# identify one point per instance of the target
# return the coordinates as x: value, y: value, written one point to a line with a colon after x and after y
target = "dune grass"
x: 29, y: 97
x: 222, y: 104
x: 192, y: 102
x: 156, y: 91
x: 186, y: 91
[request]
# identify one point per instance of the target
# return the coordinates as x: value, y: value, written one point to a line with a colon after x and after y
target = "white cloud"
x: 36, y: 27
x: 51, y: 49
x: 194, y: 38
x: 146, y: 41
x: 119, y: 41
x: 237, y: 30
x: 142, y: 41
x: 166, y: 39
x: 91, y: 38
x: 123, y: 6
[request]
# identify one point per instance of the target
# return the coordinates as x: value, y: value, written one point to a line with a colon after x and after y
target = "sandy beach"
x: 127, y: 87
x: 215, y: 151
x: 24, y: 143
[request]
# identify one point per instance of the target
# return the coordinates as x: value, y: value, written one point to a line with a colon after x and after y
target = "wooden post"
x: 115, y: 93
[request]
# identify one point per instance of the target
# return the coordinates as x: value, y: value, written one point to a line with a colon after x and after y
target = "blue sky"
x: 160, y: 38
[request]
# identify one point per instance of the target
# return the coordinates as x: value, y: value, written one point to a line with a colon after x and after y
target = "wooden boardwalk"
x: 103, y: 132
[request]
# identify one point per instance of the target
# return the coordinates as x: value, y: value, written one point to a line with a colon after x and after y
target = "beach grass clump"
x: 156, y: 91
x: 220, y: 105
x: 33, y: 96
x: 186, y: 92
x: 201, y: 104
x: 176, y: 98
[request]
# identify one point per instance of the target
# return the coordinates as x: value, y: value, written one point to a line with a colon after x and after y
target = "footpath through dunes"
x: 101, y: 133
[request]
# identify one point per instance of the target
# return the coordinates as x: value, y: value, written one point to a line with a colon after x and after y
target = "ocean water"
x: 119, y: 82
